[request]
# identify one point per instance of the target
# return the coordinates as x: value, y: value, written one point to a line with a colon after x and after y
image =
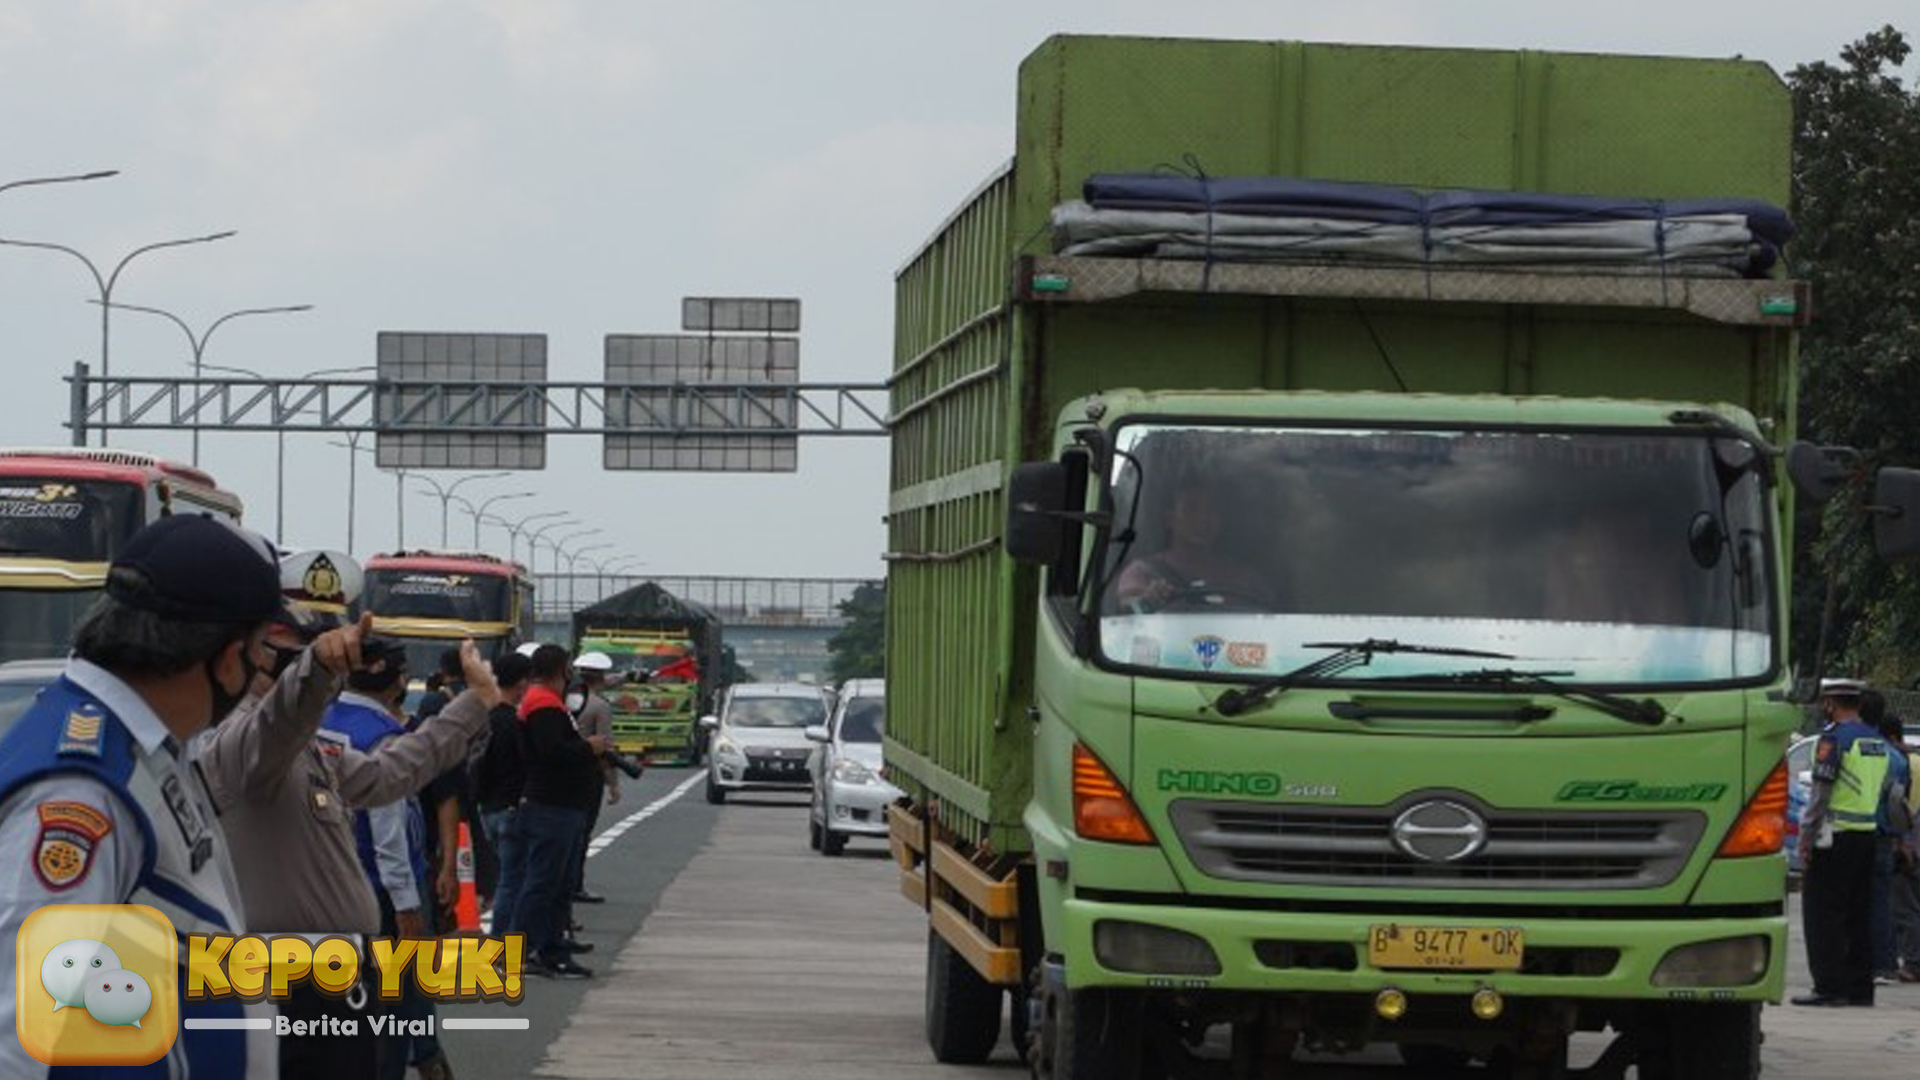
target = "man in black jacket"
x: 499, y: 776
x: 562, y: 772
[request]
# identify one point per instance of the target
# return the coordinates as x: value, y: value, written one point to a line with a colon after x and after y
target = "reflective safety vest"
x: 1860, y: 754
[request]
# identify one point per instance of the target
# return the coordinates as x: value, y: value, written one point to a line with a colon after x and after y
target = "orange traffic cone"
x: 466, y: 907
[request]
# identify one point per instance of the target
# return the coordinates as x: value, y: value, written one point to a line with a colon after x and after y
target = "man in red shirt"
x: 563, y: 770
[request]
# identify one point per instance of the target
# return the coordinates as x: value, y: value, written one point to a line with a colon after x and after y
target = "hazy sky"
x: 574, y: 168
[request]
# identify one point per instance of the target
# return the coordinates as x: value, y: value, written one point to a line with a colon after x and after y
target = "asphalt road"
x: 729, y: 949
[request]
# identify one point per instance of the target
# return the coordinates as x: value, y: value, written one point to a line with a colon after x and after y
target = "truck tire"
x: 963, y: 1009
x: 1098, y: 1035
x: 715, y: 793
x: 1686, y: 1041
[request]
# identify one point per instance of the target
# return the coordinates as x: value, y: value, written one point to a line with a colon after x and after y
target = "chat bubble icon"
x: 64, y: 972
x: 118, y: 997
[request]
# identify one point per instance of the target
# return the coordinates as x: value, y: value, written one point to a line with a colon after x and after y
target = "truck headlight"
x: 1736, y: 961
x: 1141, y: 949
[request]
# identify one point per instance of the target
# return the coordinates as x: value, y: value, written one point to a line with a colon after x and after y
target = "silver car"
x: 759, y: 740
x: 850, y: 798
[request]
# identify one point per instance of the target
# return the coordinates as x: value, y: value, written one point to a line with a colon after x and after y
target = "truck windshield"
x: 434, y: 594
x: 1615, y: 557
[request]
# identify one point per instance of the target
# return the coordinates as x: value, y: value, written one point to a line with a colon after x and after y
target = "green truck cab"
x: 1336, y: 651
x: 653, y: 713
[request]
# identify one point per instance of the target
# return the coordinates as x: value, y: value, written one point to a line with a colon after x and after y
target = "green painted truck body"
x: 1007, y: 353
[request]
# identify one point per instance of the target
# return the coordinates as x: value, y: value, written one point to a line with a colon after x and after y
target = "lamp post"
x: 479, y: 511
x: 573, y: 569
x: 445, y: 494
x: 533, y: 541
x: 199, y: 343
x: 515, y: 528
x: 280, y: 436
x: 106, y: 282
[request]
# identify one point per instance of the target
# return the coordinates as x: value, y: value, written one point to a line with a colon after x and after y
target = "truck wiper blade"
x: 1348, y: 655
x: 1644, y: 711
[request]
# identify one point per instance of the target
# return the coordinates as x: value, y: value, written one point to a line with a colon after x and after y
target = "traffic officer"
x: 592, y: 716
x: 99, y: 802
x: 1838, y: 833
x: 286, y: 790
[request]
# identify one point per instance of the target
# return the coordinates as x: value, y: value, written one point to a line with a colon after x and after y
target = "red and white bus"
x: 433, y: 599
x: 63, y: 515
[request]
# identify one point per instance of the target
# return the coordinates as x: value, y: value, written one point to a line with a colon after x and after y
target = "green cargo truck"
x: 1306, y: 648
x: 669, y: 666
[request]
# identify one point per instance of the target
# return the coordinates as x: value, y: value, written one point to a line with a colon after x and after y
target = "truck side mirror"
x: 1896, y: 513
x: 1818, y: 472
x: 1036, y: 499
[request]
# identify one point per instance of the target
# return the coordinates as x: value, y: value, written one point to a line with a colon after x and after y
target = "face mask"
x: 225, y: 701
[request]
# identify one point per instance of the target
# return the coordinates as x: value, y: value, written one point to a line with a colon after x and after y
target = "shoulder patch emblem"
x: 69, y: 832
x: 83, y: 732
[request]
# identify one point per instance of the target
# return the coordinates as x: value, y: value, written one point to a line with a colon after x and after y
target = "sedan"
x: 850, y: 798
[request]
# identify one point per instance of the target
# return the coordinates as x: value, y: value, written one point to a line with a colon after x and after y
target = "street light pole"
x: 573, y: 569
x: 516, y: 528
x: 279, y: 436
x: 199, y: 344
x: 478, y: 511
x: 106, y: 282
x: 445, y: 494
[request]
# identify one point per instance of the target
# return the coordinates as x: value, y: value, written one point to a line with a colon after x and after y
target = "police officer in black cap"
x: 98, y: 797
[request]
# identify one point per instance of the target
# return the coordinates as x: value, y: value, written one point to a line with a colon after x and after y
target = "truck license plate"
x: 1461, y: 948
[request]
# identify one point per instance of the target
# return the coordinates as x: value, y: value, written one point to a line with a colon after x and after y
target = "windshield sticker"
x: 1207, y: 649
x: 1247, y: 654
x: 58, y: 502
x: 434, y: 585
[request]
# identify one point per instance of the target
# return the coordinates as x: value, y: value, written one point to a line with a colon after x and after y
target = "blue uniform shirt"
x: 99, y: 805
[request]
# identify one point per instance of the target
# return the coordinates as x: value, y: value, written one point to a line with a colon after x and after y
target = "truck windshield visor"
x: 1606, y: 556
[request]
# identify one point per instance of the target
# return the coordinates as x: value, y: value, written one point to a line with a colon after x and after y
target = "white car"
x: 759, y: 740
x: 850, y: 798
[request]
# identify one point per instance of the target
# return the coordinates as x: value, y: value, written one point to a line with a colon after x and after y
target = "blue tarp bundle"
x: 1285, y: 218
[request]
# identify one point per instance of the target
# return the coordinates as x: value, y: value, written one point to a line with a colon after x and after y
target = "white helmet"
x: 593, y: 661
x: 527, y: 649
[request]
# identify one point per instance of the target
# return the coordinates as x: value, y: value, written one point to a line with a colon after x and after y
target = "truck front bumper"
x: 1109, y: 941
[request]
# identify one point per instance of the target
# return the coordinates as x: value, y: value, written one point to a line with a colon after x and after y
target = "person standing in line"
x: 285, y: 792
x: 1886, y: 956
x: 499, y: 775
x: 593, y: 717
x: 100, y: 802
x: 561, y: 767
x: 1839, y: 832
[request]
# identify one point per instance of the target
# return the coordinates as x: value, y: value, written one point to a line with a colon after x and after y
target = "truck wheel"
x: 1098, y: 1036
x: 963, y: 1009
x: 715, y: 793
x: 832, y: 843
x: 1701, y: 1042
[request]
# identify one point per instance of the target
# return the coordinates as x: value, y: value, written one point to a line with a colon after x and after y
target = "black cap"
x: 198, y: 568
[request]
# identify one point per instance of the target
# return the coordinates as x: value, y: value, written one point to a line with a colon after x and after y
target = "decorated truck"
x: 1339, y: 562
x: 667, y: 659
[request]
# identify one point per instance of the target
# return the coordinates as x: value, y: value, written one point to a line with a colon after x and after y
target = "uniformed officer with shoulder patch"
x: 98, y: 797
x: 286, y: 790
x: 1839, y: 832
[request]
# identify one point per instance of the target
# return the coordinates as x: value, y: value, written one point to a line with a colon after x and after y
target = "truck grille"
x: 1315, y: 845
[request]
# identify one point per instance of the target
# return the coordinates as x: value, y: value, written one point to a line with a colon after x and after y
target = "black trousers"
x: 326, y: 1056
x: 1837, y: 899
